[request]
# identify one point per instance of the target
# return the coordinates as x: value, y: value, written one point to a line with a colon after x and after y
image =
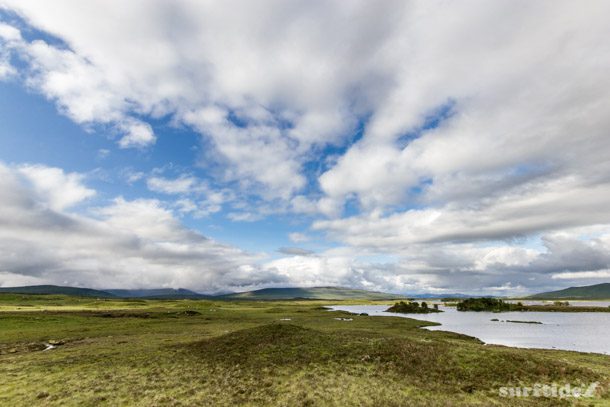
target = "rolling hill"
x: 590, y: 292
x: 317, y: 293
x: 156, y: 293
x: 55, y: 289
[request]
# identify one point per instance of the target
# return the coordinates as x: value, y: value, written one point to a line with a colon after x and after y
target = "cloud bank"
x: 137, y: 243
x: 466, y: 142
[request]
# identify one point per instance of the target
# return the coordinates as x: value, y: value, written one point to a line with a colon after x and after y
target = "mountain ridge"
x: 587, y: 292
x: 281, y: 293
x: 56, y: 289
x: 319, y: 293
x: 156, y: 293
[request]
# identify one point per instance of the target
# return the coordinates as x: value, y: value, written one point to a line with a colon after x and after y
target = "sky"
x: 401, y: 146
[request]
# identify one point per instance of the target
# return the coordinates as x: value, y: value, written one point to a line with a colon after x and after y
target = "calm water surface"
x: 579, y: 331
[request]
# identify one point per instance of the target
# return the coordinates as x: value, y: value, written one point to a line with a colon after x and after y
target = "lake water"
x: 579, y: 331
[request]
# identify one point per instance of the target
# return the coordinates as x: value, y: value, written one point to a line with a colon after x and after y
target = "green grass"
x: 243, y: 353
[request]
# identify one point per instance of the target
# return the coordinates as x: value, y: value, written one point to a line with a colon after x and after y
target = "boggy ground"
x: 187, y: 352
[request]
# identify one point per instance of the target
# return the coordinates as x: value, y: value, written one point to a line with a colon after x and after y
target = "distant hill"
x: 590, y: 292
x: 450, y: 295
x: 318, y: 293
x: 55, y: 289
x: 157, y: 293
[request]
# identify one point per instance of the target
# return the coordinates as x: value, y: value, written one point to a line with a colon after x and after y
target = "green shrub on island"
x: 495, y: 305
x: 487, y: 304
x: 413, y: 307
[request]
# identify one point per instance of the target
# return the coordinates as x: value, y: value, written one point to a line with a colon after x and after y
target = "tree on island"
x: 487, y: 304
x: 412, y: 307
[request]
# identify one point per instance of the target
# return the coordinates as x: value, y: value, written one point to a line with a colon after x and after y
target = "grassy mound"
x: 268, y: 345
x: 437, y: 366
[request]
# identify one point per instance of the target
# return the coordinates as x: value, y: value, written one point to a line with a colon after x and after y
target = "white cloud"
x: 6, y: 69
x: 136, y: 134
x: 262, y: 118
x: 599, y: 274
x: 135, y: 243
x: 8, y: 36
x: 311, y: 271
x: 58, y: 189
x: 297, y: 237
x: 103, y: 153
x: 9, y: 33
x: 528, y: 209
x: 197, y: 198
x: 17, y: 280
x: 83, y: 91
x: 198, y: 209
x: 522, y: 98
x: 140, y: 243
x: 131, y: 176
x: 245, y: 216
x: 268, y: 84
x: 181, y: 185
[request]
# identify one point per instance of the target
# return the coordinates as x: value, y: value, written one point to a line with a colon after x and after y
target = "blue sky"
x: 34, y: 132
x: 231, y: 148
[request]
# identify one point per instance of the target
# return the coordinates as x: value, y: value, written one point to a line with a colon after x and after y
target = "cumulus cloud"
x: 600, y: 274
x: 574, y: 257
x: 180, y: 185
x: 196, y: 196
x: 9, y: 35
x: 82, y: 90
x: 54, y: 187
x: 135, y: 134
x: 268, y: 84
x: 255, y: 80
x: 297, y: 237
x: 523, y: 101
x: 531, y: 208
x: 136, y: 243
x: 141, y: 243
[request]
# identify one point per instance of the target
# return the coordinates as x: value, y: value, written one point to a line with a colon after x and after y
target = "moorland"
x: 59, y: 350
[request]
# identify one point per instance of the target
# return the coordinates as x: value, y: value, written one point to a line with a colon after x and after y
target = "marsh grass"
x: 186, y: 353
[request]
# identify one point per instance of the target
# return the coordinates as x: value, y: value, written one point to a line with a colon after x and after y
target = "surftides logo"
x: 551, y: 390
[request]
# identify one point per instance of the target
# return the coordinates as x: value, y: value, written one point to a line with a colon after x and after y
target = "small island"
x: 413, y: 307
x: 489, y: 304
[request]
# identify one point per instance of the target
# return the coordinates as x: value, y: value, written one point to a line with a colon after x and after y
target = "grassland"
x: 283, y: 353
